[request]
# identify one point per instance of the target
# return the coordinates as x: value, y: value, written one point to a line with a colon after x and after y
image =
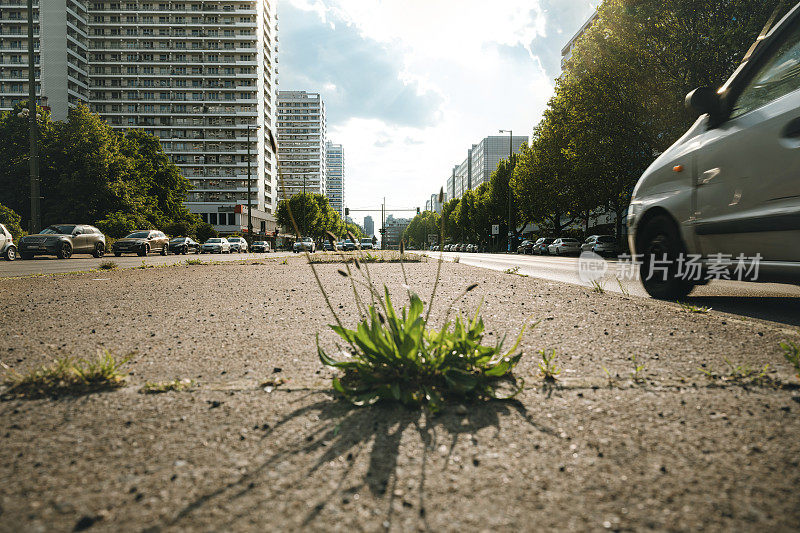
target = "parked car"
x: 7, y: 247
x: 260, y: 247
x: 184, y: 245
x: 305, y: 244
x: 62, y: 240
x: 565, y: 246
x: 601, y: 245
x: 526, y: 247
x: 216, y: 245
x: 366, y: 244
x: 542, y: 246
x: 729, y: 186
x: 348, y: 246
x: 238, y: 244
x: 142, y: 242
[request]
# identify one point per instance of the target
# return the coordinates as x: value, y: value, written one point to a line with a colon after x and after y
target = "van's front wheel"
x: 661, y: 248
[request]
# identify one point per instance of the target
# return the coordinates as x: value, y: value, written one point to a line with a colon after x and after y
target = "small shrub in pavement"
x: 177, y: 385
x: 547, y: 366
x: 396, y: 356
x: 791, y: 352
x: 107, y: 265
x: 68, y: 376
x: 194, y: 262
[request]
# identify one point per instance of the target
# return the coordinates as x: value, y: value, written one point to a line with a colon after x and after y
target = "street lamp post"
x: 510, y: 170
x: 36, y: 216
x: 249, y: 187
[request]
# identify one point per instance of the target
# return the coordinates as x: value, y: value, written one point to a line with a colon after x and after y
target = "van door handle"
x: 792, y: 129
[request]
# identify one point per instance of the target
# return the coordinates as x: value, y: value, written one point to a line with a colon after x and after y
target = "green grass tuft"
x: 791, y: 352
x: 547, y: 366
x: 598, y: 286
x: 68, y: 376
x: 396, y: 357
x: 694, y: 309
x: 107, y: 265
x: 189, y: 262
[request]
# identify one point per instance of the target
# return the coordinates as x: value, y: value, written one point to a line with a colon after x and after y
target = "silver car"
x: 565, y: 246
x: 601, y: 245
x: 7, y: 247
x: 238, y: 244
x: 216, y: 245
x: 729, y: 188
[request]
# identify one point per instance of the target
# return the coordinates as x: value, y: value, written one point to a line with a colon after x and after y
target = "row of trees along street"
x: 616, y: 106
x: 91, y: 173
x: 314, y: 217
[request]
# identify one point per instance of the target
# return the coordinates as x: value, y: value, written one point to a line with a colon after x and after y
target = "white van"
x: 726, y: 195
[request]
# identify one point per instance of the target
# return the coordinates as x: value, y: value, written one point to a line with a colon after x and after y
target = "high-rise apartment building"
x: 334, y: 188
x: 198, y: 74
x: 369, y: 226
x: 201, y: 76
x: 60, y: 41
x: 301, y: 143
x: 482, y: 159
x: 566, y: 52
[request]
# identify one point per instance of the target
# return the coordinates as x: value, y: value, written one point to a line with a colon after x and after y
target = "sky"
x: 410, y: 85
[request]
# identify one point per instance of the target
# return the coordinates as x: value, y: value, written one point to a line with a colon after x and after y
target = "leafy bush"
x: 205, y: 231
x: 395, y: 357
x: 119, y: 224
x: 179, y: 228
x: 12, y: 221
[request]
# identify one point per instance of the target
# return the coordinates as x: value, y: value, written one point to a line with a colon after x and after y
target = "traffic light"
x: 418, y: 210
x: 346, y: 211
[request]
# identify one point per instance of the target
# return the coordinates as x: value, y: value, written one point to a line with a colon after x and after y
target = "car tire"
x: 99, y: 250
x: 143, y: 251
x: 11, y: 253
x: 185, y: 250
x: 117, y: 254
x: 660, y: 237
x: 64, y: 250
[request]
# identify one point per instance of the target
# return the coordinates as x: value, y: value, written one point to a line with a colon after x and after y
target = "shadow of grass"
x: 343, y: 432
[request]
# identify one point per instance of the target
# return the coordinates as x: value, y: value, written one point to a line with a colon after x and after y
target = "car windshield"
x: 366, y: 241
x: 178, y: 239
x: 63, y: 229
x: 307, y: 239
x: 258, y: 242
x: 607, y: 239
x: 138, y: 235
x: 214, y: 240
x: 548, y: 241
x: 569, y: 240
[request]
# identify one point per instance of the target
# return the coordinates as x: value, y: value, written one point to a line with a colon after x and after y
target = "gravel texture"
x: 672, y: 450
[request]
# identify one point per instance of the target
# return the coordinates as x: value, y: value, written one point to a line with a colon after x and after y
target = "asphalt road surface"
x: 769, y: 301
x: 81, y: 262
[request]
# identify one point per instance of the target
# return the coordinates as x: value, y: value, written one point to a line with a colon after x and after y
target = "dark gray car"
x: 62, y: 240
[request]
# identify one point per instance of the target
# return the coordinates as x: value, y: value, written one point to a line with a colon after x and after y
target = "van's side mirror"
x: 704, y: 100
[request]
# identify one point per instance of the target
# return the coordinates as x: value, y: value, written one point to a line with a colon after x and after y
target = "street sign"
x: 495, y: 229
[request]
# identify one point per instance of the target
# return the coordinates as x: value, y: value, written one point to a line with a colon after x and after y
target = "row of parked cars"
x: 307, y: 244
x: 605, y: 245
x: 457, y: 247
x: 63, y: 240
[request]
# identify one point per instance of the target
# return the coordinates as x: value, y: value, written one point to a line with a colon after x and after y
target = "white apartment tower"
x: 301, y: 143
x: 334, y: 188
x: 201, y: 76
x: 60, y: 40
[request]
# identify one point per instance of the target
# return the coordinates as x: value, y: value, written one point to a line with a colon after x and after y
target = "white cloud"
x: 482, y: 60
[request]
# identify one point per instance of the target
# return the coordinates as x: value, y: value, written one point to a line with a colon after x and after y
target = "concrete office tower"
x: 486, y: 155
x: 334, y: 188
x: 201, y: 76
x: 301, y: 142
x: 369, y: 226
x: 62, y: 73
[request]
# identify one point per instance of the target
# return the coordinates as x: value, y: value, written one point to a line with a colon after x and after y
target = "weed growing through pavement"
x: 598, y: 286
x: 547, y: 366
x: 388, y: 256
x: 512, y: 270
x: 457, y: 259
x: 190, y: 262
x: 609, y: 377
x: 791, y: 352
x: 107, y: 265
x: 737, y: 373
x: 144, y: 265
x: 689, y: 308
x: 396, y: 354
x: 636, y: 373
x: 624, y: 290
x: 67, y: 376
x: 177, y: 385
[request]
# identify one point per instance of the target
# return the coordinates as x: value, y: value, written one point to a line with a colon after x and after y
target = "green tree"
x: 422, y: 225
x: 12, y: 221
x: 205, y: 231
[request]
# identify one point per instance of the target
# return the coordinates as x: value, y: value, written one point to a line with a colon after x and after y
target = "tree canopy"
x: 91, y: 173
x: 314, y: 217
